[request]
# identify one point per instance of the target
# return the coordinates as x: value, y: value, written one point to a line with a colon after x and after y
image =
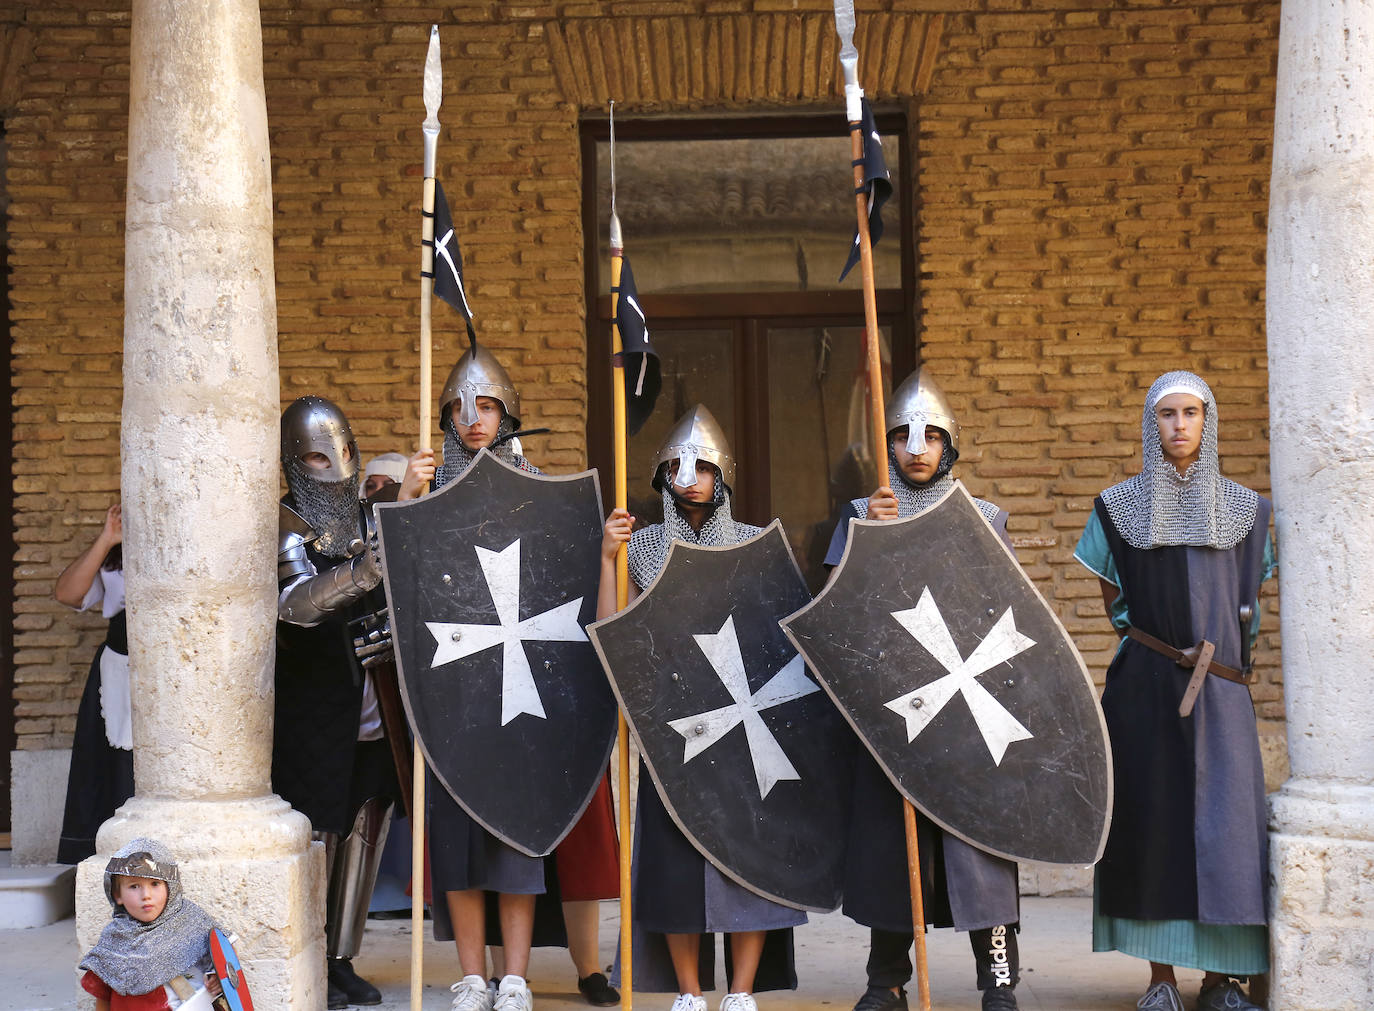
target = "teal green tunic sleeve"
x: 1268, y: 567
x: 1094, y: 554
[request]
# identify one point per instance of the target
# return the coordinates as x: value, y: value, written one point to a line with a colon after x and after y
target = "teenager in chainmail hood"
x: 964, y: 887
x: 479, y: 408
x: 154, y: 953
x: 677, y: 892
x: 1181, y: 552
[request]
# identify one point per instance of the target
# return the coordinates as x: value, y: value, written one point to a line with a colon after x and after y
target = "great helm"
x: 316, y: 425
x: 696, y: 435
x: 478, y: 374
x: 919, y: 402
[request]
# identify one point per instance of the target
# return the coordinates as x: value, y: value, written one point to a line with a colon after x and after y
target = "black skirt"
x: 101, y: 776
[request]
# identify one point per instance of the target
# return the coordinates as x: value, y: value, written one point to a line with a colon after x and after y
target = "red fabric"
x: 589, y: 856
x: 100, y: 990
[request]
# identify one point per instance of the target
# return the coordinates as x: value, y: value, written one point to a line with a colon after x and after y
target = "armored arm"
x: 308, y: 596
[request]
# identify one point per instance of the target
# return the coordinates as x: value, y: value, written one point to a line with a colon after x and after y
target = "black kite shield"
x: 748, y: 754
x: 491, y: 581
x: 963, y: 684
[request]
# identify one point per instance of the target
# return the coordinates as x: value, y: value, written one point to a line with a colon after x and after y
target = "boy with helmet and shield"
x: 964, y: 886
x: 480, y: 409
x: 330, y: 758
x: 154, y: 954
x: 1181, y: 552
x: 679, y: 896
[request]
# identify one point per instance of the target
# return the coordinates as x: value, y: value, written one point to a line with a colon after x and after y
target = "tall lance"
x: 620, y: 446
x: 433, y: 94
x: 853, y: 98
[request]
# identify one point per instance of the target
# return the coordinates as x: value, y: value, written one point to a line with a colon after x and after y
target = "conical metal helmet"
x: 317, y: 425
x: 478, y: 374
x: 696, y: 435
x: 919, y: 402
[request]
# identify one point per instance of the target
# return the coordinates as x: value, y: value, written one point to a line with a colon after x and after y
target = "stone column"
x: 199, y: 448
x: 1320, y: 294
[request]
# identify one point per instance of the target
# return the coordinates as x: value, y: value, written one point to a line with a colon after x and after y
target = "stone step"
x: 35, y: 896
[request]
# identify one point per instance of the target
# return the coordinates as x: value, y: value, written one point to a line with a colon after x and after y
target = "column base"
x: 1321, y: 855
x: 251, y: 865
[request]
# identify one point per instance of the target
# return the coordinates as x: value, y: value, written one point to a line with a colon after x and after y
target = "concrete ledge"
x: 35, y: 896
x: 38, y: 792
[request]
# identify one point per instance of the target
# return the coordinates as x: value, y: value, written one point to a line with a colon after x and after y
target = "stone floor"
x: 1059, y: 970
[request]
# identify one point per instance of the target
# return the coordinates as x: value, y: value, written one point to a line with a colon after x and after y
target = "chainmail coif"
x: 1160, y: 507
x: 913, y: 498
x: 330, y: 507
x: 138, y: 958
x: 649, y: 546
x: 457, y: 457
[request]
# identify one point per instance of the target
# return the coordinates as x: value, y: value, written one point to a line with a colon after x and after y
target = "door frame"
x: 753, y: 311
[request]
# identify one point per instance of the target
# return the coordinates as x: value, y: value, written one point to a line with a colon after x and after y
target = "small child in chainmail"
x: 154, y: 954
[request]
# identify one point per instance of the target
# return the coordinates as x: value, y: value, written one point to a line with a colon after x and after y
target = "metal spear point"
x: 849, y: 59
x: 434, y: 94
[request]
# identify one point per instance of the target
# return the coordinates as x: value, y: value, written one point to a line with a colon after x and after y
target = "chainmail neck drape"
x: 1160, y: 507
x: 914, y: 498
x: 330, y: 507
x: 137, y: 958
x: 457, y: 457
x: 649, y: 547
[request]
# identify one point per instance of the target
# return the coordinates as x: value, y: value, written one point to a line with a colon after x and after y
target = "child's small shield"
x: 229, y: 970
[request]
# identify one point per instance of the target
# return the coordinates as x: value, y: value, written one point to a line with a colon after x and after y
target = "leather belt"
x: 1199, y: 658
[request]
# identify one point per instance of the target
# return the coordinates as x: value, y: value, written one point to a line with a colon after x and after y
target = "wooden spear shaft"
x: 433, y: 94
x: 879, y: 423
x: 620, y: 438
x: 417, y: 787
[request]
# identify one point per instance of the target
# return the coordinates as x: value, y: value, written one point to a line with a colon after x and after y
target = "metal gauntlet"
x: 307, y: 596
x: 311, y: 599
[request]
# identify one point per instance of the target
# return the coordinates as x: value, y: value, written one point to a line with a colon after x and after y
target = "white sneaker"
x: 738, y: 1002
x: 513, y: 995
x: 470, y: 994
x: 689, y: 1002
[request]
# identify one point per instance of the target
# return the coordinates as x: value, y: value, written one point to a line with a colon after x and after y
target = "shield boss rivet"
x: 917, y: 702
x: 447, y: 578
x: 457, y: 636
x: 675, y: 676
x: 989, y: 612
x: 699, y: 729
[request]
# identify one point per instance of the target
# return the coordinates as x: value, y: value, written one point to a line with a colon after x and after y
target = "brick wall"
x: 1092, y: 189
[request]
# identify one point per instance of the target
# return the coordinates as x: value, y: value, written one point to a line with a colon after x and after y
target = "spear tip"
x: 434, y: 80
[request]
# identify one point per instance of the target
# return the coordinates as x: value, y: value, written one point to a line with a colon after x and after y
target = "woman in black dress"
x: 102, y: 771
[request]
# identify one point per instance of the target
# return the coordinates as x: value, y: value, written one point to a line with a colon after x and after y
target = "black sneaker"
x: 999, y: 998
x: 597, y: 990
x: 355, y: 989
x: 880, y: 998
x: 1225, y: 996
